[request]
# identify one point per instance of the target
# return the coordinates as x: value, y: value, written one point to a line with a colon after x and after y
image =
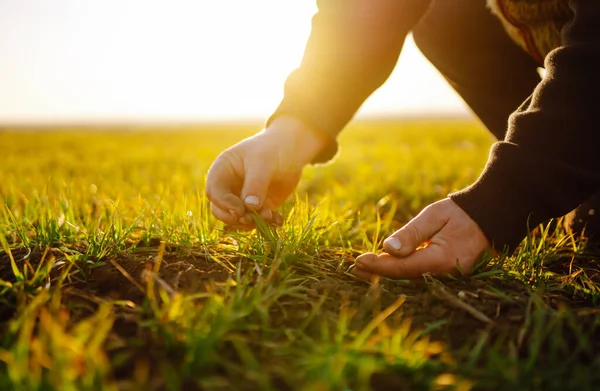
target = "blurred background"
x: 137, y: 61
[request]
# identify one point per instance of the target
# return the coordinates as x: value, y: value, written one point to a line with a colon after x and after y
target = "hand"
x: 453, y: 243
x: 260, y: 172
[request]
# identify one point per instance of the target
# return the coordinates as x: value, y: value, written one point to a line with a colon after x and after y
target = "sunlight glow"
x: 181, y: 60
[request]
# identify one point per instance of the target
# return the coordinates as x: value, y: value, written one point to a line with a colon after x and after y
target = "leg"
x: 469, y: 46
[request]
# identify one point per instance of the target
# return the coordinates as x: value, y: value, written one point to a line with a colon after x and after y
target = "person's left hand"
x: 452, y: 244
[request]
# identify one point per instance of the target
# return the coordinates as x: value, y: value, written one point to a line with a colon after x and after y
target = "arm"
x: 548, y: 163
x: 352, y: 49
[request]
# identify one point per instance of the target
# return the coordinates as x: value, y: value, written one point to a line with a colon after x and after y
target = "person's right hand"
x: 260, y: 172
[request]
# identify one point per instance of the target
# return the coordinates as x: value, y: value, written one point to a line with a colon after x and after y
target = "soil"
x: 191, y: 272
x: 120, y: 278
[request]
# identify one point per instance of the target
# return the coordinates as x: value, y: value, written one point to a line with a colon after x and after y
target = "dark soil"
x: 120, y: 278
x: 124, y: 278
x: 182, y: 272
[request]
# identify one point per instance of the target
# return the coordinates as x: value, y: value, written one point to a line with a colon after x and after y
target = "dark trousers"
x: 469, y: 46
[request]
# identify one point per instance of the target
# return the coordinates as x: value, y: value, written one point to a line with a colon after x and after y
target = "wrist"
x: 305, y: 141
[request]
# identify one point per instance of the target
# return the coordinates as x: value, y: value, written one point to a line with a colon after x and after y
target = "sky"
x: 188, y: 61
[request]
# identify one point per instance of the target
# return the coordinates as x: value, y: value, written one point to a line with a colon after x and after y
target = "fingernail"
x: 393, y: 243
x: 245, y: 220
x: 232, y: 212
x: 252, y: 200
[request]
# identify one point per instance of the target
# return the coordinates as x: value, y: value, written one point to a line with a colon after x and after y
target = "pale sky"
x: 202, y: 60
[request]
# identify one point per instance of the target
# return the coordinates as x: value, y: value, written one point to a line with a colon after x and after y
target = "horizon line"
x: 148, y: 123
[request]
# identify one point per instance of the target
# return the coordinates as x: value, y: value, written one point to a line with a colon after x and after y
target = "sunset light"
x: 202, y: 195
x: 176, y: 61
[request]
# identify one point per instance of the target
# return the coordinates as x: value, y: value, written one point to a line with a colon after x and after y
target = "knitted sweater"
x: 534, y: 25
x: 545, y: 166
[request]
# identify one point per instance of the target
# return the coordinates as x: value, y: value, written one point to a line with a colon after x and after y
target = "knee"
x: 422, y: 35
x: 440, y: 43
x: 459, y: 35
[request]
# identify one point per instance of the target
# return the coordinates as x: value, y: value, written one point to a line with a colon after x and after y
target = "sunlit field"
x: 114, y: 275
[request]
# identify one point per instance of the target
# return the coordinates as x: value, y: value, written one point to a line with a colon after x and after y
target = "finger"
x: 417, y: 231
x: 365, y: 256
x: 358, y: 269
x: 224, y: 216
x: 229, y: 219
x: 432, y: 259
x: 220, y: 188
x: 269, y: 213
x: 362, y: 274
x: 256, y: 186
x: 277, y: 218
x: 246, y: 220
x: 266, y: 214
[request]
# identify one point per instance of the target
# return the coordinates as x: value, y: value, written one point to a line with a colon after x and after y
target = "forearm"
x: 352, y: 49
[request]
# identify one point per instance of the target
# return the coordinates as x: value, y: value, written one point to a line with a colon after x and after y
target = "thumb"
x: 256, y: 186
x: 417, y: 231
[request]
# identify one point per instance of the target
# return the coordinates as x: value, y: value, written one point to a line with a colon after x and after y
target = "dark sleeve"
x: 352, y: 49
x: 548, y: 163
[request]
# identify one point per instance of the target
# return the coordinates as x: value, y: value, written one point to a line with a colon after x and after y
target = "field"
x: 115, y: 276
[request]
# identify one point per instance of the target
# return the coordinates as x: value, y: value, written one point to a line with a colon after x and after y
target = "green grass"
x: 115, y: 276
